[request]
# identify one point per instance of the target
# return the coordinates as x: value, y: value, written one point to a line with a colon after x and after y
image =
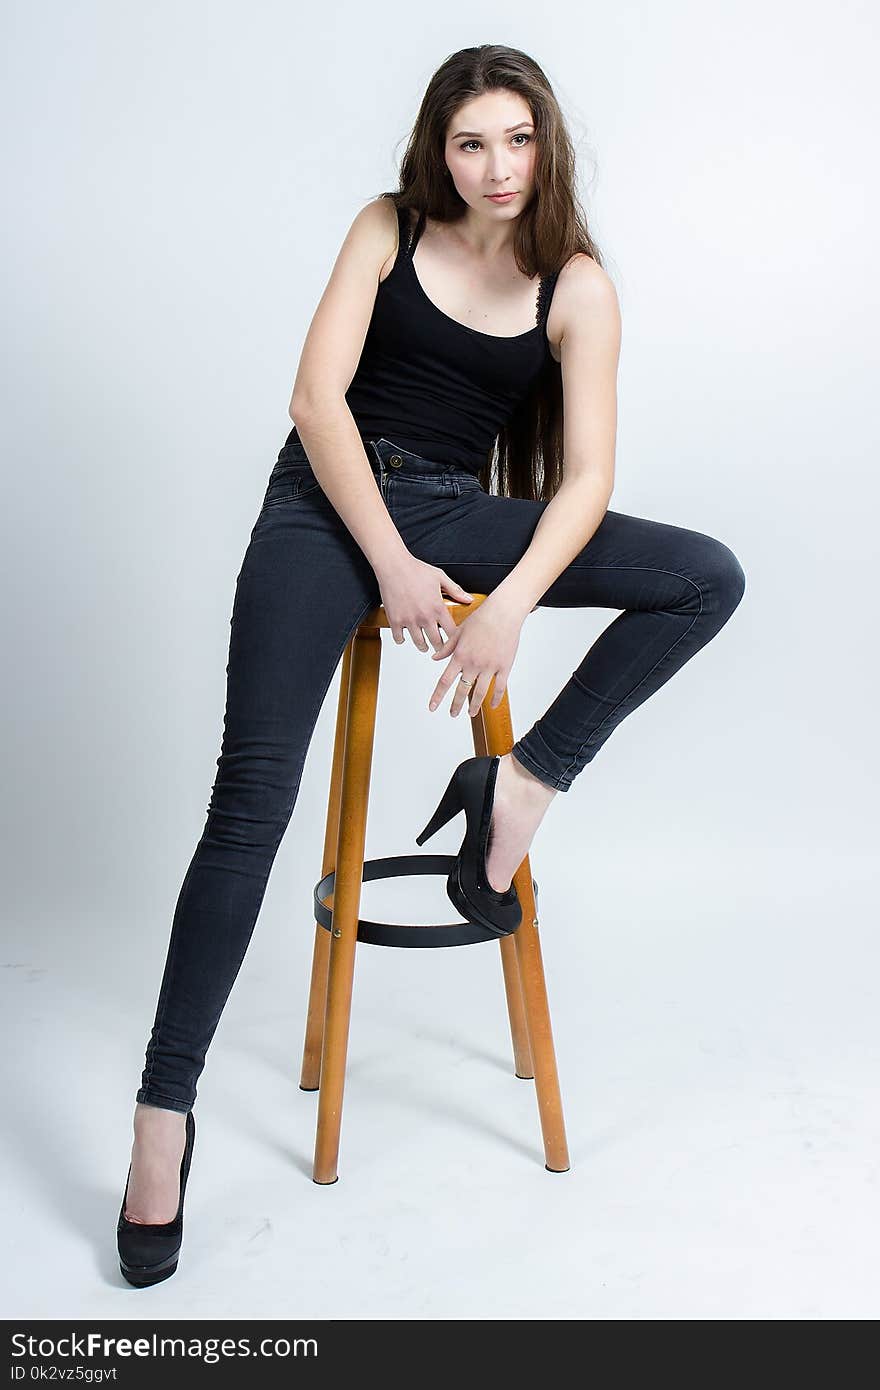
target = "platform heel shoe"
x: 148, y: 1254
x: 472, y: 790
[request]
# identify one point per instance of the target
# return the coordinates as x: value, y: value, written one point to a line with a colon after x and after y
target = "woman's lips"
x: 502, y: 197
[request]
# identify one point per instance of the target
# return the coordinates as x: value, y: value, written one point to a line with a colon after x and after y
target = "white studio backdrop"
x: 179, y: 179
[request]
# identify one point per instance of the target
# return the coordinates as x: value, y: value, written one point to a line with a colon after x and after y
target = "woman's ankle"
x: 528, y: 781
x: 157, y: 1120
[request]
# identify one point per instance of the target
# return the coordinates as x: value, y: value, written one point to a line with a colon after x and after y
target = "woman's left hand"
x: 482, y: 647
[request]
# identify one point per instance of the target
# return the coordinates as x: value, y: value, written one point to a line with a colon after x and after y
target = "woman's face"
x: 490, y: 148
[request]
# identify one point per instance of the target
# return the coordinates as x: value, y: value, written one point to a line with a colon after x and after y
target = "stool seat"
x: 339, y: 925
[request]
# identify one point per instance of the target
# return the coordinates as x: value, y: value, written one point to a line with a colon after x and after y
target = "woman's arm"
x: 411, y: 590
x: 329, y: 359
x: 590, y: 348
x: 336, y: 453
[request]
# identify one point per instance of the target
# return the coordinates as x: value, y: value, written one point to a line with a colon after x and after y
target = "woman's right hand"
x: 411, y: 597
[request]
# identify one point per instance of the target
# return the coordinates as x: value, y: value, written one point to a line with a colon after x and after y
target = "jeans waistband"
x: 384, y: 454
x: 392, y: 456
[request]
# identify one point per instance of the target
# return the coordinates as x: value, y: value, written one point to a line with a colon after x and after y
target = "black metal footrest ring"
x: 416, y: 934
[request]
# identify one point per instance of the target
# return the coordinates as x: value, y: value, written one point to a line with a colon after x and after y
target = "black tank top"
x: 434, y: 385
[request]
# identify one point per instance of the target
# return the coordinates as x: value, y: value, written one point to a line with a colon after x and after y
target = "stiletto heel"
x: 472, y: 789
x: 450, y: 804
x: 147, y: 1253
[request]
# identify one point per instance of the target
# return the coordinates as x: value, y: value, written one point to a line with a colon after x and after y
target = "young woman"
x: 455, y: 425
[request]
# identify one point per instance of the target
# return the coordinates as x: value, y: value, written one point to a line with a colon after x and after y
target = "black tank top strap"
x: 545, y: 294
x: 414, y: 234
x: 407, y: 235
x: 402, y: 232
x: 420, y: 227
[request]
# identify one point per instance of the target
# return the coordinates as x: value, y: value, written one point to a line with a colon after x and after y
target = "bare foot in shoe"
x: 156, y: 1156
x: 518, y: 808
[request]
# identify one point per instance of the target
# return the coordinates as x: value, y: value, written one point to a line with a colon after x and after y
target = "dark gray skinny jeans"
x: 304, y: 587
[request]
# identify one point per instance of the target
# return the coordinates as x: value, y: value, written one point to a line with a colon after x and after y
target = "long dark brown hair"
x: 525, y: 459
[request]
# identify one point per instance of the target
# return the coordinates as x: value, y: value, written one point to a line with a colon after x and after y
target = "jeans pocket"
x: 292, y: 451
x: 467, y: 482
x: 290, y: 479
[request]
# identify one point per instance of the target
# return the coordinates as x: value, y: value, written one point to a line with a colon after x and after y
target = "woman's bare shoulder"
x: 389, y: 214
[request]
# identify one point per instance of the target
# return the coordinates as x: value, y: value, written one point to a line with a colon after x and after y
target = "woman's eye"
x: 523, y: 136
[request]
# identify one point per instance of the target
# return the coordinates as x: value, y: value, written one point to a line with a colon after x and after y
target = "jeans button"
x: 395, y: 460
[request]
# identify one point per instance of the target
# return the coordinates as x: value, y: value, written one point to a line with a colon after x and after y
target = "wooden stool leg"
x: 354, y: 799
x: 498, y: 735
x: 519, y: 1033
x: 310, y: 1075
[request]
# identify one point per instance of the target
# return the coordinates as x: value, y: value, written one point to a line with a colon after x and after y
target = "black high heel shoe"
x: 147, y: 1253
x: 472, y: 790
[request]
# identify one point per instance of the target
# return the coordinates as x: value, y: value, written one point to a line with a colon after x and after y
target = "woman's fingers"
x: 418, y: 632
x: 455, y: 591
x: 448, y: 646
x: 459, y: 694
x: 469, y: 691
x: 499, y: 691
x: 434, y: 634
x: 478, y: 694
x: 449, y: 678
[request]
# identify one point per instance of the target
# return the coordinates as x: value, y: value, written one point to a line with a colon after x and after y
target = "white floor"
x: 716, y: 1029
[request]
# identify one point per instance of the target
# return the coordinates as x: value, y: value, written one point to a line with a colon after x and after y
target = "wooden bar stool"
x: 339, y: 926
